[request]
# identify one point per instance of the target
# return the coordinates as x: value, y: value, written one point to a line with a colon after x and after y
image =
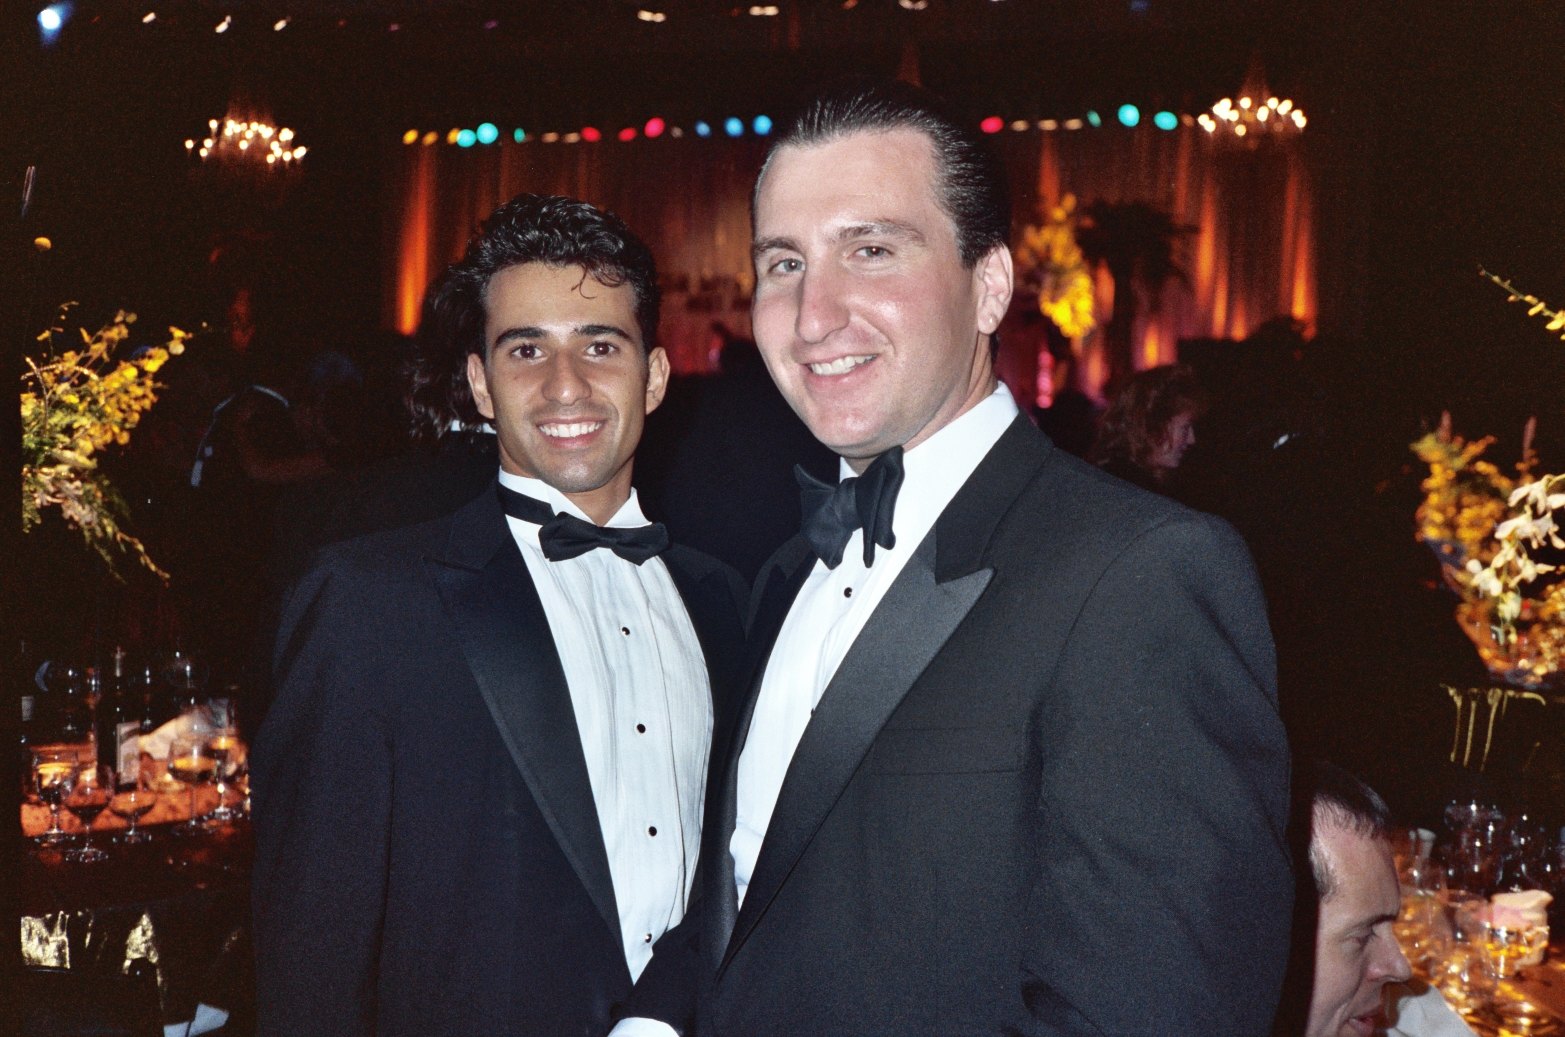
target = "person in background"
x: 1346, y: 951
x: 477, y: 796
x: 1146, y: 430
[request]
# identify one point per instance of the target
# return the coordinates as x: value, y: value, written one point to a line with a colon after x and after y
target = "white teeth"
x: 579, y: 428
x: 842, y: 365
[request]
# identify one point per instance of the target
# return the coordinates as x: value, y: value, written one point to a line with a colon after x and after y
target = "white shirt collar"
x: 935, y: 470
x: 629, y: 513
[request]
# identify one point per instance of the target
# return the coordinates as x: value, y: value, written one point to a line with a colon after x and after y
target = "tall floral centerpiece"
x: 1494, y: 535
x: 1051, y: 265
x: 76, y: 403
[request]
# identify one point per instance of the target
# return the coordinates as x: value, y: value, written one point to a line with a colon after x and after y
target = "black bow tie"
x: 832, y: 513
x: 565, y: 536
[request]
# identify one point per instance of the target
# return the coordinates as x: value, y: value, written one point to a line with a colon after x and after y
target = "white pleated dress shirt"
x: 834, y: 605
x: 643, y: 704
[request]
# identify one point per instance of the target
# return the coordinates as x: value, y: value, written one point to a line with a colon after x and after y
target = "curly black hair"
x: 530, y: 228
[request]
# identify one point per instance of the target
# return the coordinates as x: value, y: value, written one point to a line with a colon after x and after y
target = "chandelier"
x: 1249, y: 116
x: 1256, y: 114
x: 234, y: 140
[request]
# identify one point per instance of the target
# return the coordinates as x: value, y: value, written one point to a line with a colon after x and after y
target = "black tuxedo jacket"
x: 1045, y: 792
x: 428, y: 854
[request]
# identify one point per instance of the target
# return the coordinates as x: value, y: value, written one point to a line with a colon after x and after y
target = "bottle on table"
x: 117, y: 723
x: 27, y: 700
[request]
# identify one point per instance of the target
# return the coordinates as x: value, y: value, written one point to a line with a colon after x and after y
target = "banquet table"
x: 1543, y: 985
x: 173, y: 910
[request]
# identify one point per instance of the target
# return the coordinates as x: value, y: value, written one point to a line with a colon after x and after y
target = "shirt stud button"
x: 625, y: 631
x: 641, y: 729
x: 647, y: 938
x: 652, y: 831
x: 847, y: 592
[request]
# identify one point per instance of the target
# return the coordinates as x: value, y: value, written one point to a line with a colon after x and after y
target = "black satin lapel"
x: 911, y: 624
x: 505, y: 638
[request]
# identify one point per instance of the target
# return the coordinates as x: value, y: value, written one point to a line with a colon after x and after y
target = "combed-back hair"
x: 530, y: 228
x: 971, y: 185
x: 1137, y: 421
x: 1340, y: 800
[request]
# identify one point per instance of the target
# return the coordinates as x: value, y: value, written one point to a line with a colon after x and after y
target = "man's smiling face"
x: 566, y: 381
x: 868, y: 321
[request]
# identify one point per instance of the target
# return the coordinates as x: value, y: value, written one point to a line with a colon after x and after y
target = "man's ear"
x: 995, y: 283
x: 657, y: 377
x: 478, y: 382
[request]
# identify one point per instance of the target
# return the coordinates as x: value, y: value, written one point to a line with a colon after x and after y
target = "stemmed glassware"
x: 54, y: 772
x: 133, y: 800
x: 226, y: 748
x: 1508, y: 944
x: 88, y: 797
x: 1420, y: 924
x: 190, y: 762
x: 1474, y: 862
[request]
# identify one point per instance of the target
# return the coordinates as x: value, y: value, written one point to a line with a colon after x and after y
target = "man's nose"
x: 821, y: 308
x: 1392, y: 966
x: 565, y: 382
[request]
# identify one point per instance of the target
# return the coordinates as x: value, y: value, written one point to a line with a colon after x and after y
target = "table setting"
x: 142, y: 870
x: 1477, y: 899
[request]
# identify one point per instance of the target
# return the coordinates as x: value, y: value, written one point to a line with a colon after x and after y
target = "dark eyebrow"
x: 529, y: 332
x: 882, y: 228
x: 765, y: 245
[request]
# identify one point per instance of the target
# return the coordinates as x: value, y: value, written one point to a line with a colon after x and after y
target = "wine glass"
x: 133, y: 799
x: 1508, y: 945
x: 54, y: 772
x: 228, y: 750
x: 87, y: 798
x: 1419, y: 925
x: 1461, y: 968
x: 190, y: 764
x: 1473, y: 862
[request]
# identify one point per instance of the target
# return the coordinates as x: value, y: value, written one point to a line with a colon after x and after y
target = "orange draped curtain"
x: 1249, y: 257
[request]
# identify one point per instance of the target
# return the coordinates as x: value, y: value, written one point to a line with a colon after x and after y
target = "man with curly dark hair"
x: 478, y: 792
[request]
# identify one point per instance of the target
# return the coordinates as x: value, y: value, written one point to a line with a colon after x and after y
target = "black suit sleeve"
x: 321, y: 775
x: 1162, y: 902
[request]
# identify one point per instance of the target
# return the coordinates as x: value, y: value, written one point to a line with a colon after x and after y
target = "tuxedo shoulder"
x: 1073, y: 499
x: 383, y: 553
x: 725, y: 589
x: 697, y: 564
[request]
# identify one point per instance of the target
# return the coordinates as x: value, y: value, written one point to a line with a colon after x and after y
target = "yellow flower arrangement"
x: 1490, y: 532
x: 1050, y: 262
x: 75, y: 404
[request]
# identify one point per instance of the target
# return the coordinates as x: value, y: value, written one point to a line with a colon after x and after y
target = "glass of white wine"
x: 134, y: 798
x: 228, y: 750
x: 88, y: 797
x: 190, y: 763
x: 1507, y: 947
